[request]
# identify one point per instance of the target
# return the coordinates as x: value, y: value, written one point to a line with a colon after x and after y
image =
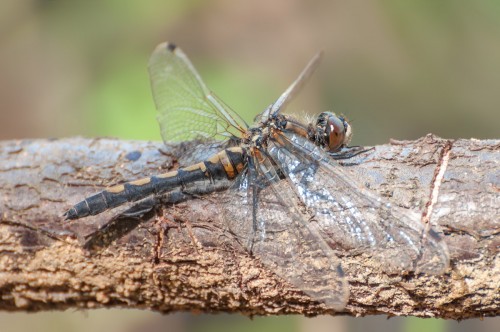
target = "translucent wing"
x: 187, y: 109
x: 294, y: 88
x: 267, y: 222
x: 353, y: 217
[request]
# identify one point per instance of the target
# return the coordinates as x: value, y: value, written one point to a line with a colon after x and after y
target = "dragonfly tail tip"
x: 70, y: 215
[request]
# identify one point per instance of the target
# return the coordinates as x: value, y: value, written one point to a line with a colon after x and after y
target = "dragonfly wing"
x: 286, y: 97
x: 266, y: 220
x: 353, y: 217
x: 187, y: 109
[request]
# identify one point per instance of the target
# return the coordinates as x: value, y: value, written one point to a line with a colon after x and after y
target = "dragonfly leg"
x: 348, y: 152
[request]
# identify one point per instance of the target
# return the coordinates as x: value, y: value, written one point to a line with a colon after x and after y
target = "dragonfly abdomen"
x: 225, y: 164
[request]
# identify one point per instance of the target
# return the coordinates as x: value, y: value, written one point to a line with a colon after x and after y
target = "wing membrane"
x: 286, y: 97
x: 353, y: 217
x: 187, y: 109
x: 282, y: 239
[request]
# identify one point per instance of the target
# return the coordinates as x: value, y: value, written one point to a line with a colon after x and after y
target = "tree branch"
x: 182, y: 258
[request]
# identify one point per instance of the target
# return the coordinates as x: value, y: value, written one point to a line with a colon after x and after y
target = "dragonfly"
x: 292, y: 205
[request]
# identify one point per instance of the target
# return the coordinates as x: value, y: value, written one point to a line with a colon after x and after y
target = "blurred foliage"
x: 229, y: 323
x: 397, y: 68
x: 417, y: 324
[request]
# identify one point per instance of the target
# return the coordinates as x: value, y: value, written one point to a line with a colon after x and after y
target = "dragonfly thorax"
x: 254, y: 137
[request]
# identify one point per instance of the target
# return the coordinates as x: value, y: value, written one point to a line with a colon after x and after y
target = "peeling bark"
x: 179, y: 256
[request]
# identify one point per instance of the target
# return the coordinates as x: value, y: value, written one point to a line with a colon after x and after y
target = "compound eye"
x: 335, y: 132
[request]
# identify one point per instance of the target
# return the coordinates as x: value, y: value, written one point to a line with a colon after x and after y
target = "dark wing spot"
x: 171, y: 47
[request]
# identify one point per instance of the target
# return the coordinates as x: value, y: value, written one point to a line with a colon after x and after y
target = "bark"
x: 179, y: 256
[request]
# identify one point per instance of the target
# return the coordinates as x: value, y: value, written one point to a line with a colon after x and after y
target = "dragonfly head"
x: 332, y: 131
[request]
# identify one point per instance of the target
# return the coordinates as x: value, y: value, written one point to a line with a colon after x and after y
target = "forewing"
x: 187, y: 109
x: 353, y: 217
x: 266, y: 221
x: 294, y: 88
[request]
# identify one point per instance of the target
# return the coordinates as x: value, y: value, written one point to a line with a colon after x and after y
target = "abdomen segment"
x: 225, y: 164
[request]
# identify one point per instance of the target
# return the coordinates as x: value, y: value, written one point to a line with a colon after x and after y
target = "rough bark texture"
x: 179, y: 257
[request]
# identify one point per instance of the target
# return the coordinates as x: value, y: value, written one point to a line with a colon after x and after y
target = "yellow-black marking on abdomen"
x: 225, y: 164
x: 116, y: 189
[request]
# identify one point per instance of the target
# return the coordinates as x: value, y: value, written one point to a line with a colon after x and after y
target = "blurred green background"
x: 397, y: 69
